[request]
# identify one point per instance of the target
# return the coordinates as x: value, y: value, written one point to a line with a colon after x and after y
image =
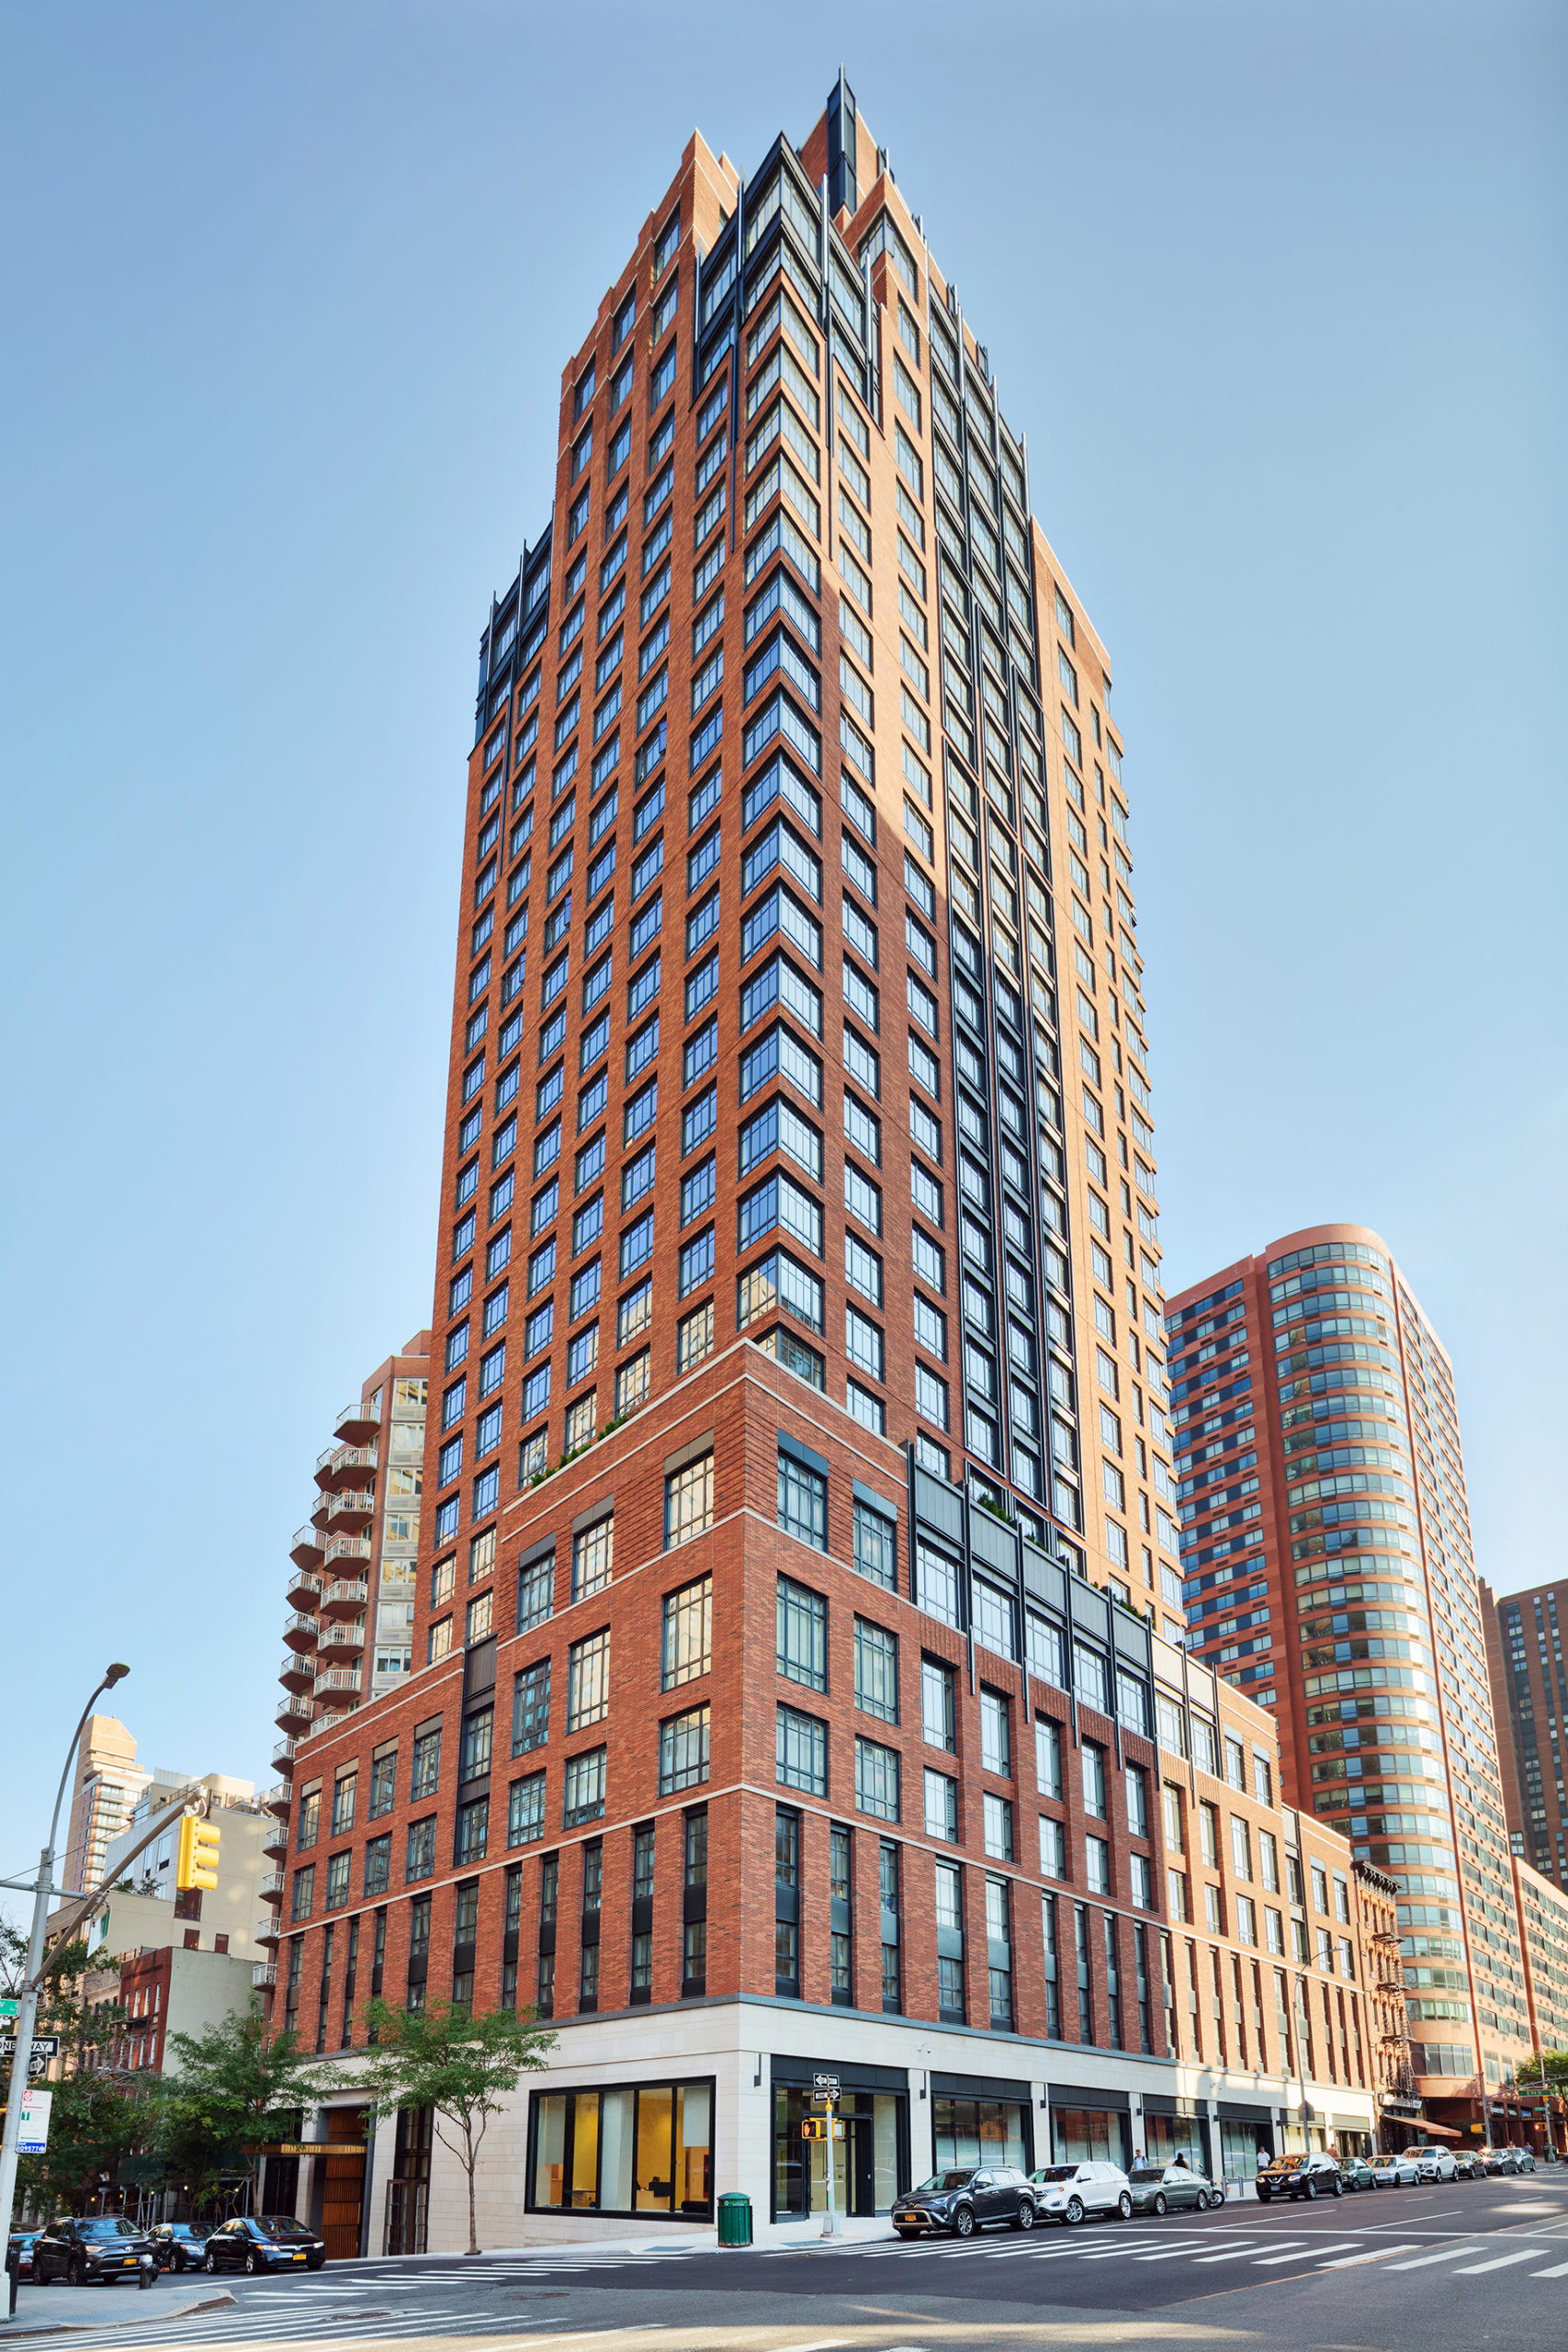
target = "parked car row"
x: 968, y: 2198
x: 101, y: 2247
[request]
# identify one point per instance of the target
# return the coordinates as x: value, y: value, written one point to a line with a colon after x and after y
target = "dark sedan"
x: 258, y: 2244
x: 967, y: 2199
x: 1159, y: 2189
x: 179, y: 2246
x: 98, y: 2246
x: 21, y: 2254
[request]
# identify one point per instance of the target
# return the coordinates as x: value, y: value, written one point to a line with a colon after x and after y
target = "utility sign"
x: 32, y: 2140
x: 828, y: 2083
x: 10, y: 2009
x: 45, y: 2045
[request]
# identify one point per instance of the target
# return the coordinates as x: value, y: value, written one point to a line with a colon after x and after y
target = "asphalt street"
x: 1449, y: 2267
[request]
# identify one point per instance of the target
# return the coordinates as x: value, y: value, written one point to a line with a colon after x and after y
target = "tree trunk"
x: 472, y: 2161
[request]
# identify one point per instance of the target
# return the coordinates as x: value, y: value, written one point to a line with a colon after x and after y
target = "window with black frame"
x: 637, y: 2148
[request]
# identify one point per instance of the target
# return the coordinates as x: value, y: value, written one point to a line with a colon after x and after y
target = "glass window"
x: 688, y: 1502
x: 584, y: 1788
x: 684, y: 1751
x: 803, y: 1502
x: 876, y: 1541
x: 938, y: 1716
x: 588, y: 1680
x: 876, y: 1780
x: 802, y: 1634
x: 801, y: 1756
x: 687, y: 1648
x: 995, y: 1733
x: 877, y: 1670
x: 644, y: 2149
x: 593, y: 1556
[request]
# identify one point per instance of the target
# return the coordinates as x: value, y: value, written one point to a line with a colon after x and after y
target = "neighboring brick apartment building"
x: 797, y: 1634
x: 1329, y: 1573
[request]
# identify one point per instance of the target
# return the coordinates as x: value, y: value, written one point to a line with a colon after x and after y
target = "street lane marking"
x: 1250, y: 2253
x: 1176, y: 2254
x: 1369, y: 2254
x: 1500, y: 2262
x: 1308, y: 2253
x: 1448, y: 2253
x: 1557, y: 2271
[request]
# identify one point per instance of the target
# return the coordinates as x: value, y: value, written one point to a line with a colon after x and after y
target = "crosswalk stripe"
x: 1302, y: 2252
x: 1557, y: 2271
x: 1500, y: 2262
x: 1425, y: 2261
x: 1369, y: 2254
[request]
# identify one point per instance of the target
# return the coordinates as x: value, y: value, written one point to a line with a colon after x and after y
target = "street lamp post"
x: 43, y: 1890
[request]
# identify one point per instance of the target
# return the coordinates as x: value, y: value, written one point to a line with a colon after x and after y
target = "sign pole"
x: 827, y: 2089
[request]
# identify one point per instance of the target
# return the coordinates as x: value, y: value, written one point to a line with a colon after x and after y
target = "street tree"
x: 97, y: 2117
x: 232, y: 2087
x: 460, y: 2066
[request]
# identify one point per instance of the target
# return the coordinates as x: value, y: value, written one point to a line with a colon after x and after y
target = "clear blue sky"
x: 1277, y: 295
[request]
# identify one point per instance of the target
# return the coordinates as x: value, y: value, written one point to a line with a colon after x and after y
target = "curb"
x: 87, y: 2326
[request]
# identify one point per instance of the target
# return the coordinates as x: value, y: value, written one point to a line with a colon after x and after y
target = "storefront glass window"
x: 865, y: 2162
x: 643, y: 2148
x: 980, y: 2132
x: 1090, y: 2134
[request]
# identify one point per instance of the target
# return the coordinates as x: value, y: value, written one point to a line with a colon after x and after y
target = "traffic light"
x: 196, y: 1858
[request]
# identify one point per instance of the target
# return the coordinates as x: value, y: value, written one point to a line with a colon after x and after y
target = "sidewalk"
x: 48, y: 2311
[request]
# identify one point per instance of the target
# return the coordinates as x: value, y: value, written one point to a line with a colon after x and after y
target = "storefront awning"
x: 1437, y: 2130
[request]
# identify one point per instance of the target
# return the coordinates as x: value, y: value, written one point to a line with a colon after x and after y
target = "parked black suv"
x: 102, y: 2247
x: 969, y: 2198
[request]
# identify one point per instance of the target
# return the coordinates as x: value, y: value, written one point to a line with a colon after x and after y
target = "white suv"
x: 1068, y: 2192
x: 1435, y: 2163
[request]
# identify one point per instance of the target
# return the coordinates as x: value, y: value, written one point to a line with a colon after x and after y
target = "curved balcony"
x: 342, y: 1642
x: 338, y: 1688
x: 345, y: 1465
x: 283, y: 1757
x: 266, y: 1933
x: 319, y: 1509
x: 357, y: 1423
x: 299, y: 1631
x: 351, y: 1510
x: 296, y: 1673
x: 271, y: 1888
x: 294, y: 1712
x: 263, y: 1973
x: 274, y: 1840
x: 347, y: 1555
x: 306, y: 1549
x: 278, y: 1799
x: 304, y: 1584
x: 345, y: 1597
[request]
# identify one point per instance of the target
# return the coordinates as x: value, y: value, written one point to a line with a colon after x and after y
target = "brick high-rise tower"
x: 1329, y: 1574
x: 1529, y: 1698
x: 797, y: 1650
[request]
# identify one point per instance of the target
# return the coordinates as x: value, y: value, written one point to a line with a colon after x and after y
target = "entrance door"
x: 343, y: 2185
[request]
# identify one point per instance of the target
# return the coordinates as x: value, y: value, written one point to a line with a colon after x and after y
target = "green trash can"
x: 734, y: 2220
